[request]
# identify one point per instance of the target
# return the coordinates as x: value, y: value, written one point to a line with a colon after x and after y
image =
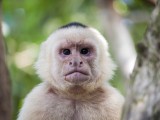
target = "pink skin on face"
x: 76, y: 59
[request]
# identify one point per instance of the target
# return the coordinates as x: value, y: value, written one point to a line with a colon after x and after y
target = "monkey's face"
x: 75, y: 56
x: 76, y: 60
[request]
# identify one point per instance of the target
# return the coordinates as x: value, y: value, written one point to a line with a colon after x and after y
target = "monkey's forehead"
x: 78, y: 34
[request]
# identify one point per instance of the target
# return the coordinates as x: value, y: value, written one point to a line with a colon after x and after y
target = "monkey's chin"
x: 76, y: 78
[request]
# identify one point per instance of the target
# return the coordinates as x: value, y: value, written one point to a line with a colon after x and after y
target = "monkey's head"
x: 75, y: 56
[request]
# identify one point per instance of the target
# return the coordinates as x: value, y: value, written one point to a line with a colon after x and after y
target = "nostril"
x: 81, y: 63
x: 70, y: 63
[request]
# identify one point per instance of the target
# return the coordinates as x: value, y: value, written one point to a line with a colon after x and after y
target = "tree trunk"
x: 5, y: 91
x: 117, y: 35
x: 143, y: 99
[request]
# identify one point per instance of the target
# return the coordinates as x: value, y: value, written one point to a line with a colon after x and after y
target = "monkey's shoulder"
x: 42, y: 104
x: 114, y: 99
x: 41, y: 94
x: 113, y: 95
x: 112, y: 103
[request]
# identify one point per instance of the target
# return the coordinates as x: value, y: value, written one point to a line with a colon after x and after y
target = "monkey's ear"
x: 42, y: 64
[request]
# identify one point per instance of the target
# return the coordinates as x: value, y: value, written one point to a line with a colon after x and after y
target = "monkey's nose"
x: 76, y: 63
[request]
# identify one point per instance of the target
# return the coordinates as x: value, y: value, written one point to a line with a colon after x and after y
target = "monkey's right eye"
x: 66, y: 52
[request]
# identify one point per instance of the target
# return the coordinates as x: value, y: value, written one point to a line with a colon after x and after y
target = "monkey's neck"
x: 77, y: 93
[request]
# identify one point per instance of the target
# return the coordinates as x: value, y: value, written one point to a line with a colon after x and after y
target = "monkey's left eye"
x: 84, y: 51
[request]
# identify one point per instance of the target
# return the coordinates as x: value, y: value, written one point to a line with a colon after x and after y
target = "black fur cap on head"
x: 73, y: 24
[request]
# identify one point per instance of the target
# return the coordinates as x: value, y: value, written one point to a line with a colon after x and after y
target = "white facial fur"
x: 46, y: 64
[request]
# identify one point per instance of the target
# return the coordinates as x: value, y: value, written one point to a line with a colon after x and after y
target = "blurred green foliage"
x: 29, y: 22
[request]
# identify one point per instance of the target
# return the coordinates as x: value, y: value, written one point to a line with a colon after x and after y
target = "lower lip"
x: 76, y: 77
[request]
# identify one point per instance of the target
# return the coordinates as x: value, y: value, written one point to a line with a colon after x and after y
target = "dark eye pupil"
x: 66, y: 52
x: 84, y: 51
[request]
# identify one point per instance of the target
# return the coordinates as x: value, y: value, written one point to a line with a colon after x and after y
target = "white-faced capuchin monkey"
x: 75, y: 66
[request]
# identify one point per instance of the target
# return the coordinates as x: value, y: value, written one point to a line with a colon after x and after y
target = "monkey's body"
x: 75, y: 66
x: 55, y: 106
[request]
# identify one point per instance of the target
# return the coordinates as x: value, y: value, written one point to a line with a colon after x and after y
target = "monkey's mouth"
x: 77, y: 71
x: 76, y: 76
